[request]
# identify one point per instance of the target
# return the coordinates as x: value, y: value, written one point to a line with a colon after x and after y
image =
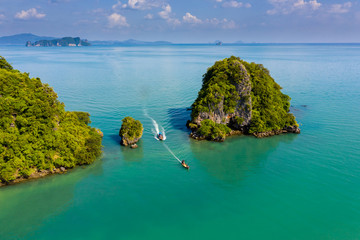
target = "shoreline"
x: 289, y: 129
x: 35, y: 175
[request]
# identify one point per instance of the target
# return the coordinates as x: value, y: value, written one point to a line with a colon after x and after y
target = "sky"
x: 186, y: 21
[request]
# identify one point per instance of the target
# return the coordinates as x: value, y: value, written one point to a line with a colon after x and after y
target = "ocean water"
x: 304, y: 186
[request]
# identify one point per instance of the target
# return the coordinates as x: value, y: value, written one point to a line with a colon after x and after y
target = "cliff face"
x: 245, y: 98
x: 239, y: 116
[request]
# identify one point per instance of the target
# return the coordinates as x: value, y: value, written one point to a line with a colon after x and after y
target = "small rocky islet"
x: 238, y: 97
x: 130, y: 132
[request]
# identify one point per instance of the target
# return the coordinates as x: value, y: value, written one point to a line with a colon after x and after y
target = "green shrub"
x: 131, y: 128
x: 211, y: 130
x: 238, y: 120
x: 4, y: 64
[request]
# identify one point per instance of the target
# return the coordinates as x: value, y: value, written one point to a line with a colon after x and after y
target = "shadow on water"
x: 298, y: 110
x: 115, y: 138
x: 232, y: 160
x: 179, y: 117
x: 133, y: 155
x: 25, y: 206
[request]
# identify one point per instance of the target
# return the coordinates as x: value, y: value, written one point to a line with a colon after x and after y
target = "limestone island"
x: 37, y: 136
x: 238, y: 97
x: 130, y: 132
x: 62, y: 42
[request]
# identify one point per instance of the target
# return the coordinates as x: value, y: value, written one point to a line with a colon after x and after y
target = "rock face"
x: 244, y: 97
x: 129, y: 142
x: 241, y: 115
x: 130, y: 132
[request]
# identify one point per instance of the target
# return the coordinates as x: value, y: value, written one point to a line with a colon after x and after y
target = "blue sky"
x: 186, y: 20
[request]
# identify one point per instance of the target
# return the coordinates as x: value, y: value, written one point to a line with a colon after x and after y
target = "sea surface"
x: 304, y: 186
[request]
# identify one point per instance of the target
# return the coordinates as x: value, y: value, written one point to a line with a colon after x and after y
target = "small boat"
x: 184, y: 164
x: 160, y: 136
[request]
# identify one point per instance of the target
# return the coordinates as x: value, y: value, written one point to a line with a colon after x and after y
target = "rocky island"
x: 62, y: 42
x: 130, y: 132
x: 238, y: 97
x: 37, y: 136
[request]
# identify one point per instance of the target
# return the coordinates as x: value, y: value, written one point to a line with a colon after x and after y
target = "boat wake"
x: 156, y: 129
x: 166, y: 146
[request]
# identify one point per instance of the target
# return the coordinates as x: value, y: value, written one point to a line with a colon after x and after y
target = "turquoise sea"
x: 291, y: 186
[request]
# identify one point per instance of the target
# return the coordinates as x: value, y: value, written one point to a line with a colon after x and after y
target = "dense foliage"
x: 218, y: 83
x: 36, y: 133
x: 4, y: 64
x: 270, y: 107
x: 131, y: 129
x: 213, y: 131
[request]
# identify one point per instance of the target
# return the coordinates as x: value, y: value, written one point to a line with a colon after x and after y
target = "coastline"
x: 288, y: 129
x: 35, y: 175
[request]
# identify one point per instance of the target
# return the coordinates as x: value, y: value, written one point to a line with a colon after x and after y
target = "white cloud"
x: 31, y: 13
x: 188, y: 18
x: 149, y: 16
x: 140, y: 4
x: 290, y: 6
x: 235, y: 4
x: 223, y: 23
x: 116, y: 5
x: 313, y: 4
x: 340, y: 8
x: 2, y: 16
x: 166, y: 14
x: 117, y: 20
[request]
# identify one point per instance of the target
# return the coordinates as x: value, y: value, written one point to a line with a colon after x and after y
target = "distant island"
x: 30, y: 39
x: 238, y: 97
x: 37, y: 136
x: 130, y: 42
x: 62, y: 42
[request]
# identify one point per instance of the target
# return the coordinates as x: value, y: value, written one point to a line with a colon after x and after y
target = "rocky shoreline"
x: 289, y: 129
x: 35, y: 175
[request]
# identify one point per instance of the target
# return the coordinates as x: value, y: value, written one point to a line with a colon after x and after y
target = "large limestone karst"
x: 240, y: 97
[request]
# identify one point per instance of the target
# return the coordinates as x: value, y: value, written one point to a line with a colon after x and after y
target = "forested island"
x: 37, y: 136
x: 238, y: 97
x: 130, y: 132
x: 62, y: 42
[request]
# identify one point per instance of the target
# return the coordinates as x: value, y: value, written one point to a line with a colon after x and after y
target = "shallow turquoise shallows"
x: 291, y: 186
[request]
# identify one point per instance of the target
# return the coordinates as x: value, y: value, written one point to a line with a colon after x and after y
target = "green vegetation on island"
x: 37, y: 135
x: 131, y: 131
x: 62, y: 42
x: 213, y: 131
x: 244, y: 97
